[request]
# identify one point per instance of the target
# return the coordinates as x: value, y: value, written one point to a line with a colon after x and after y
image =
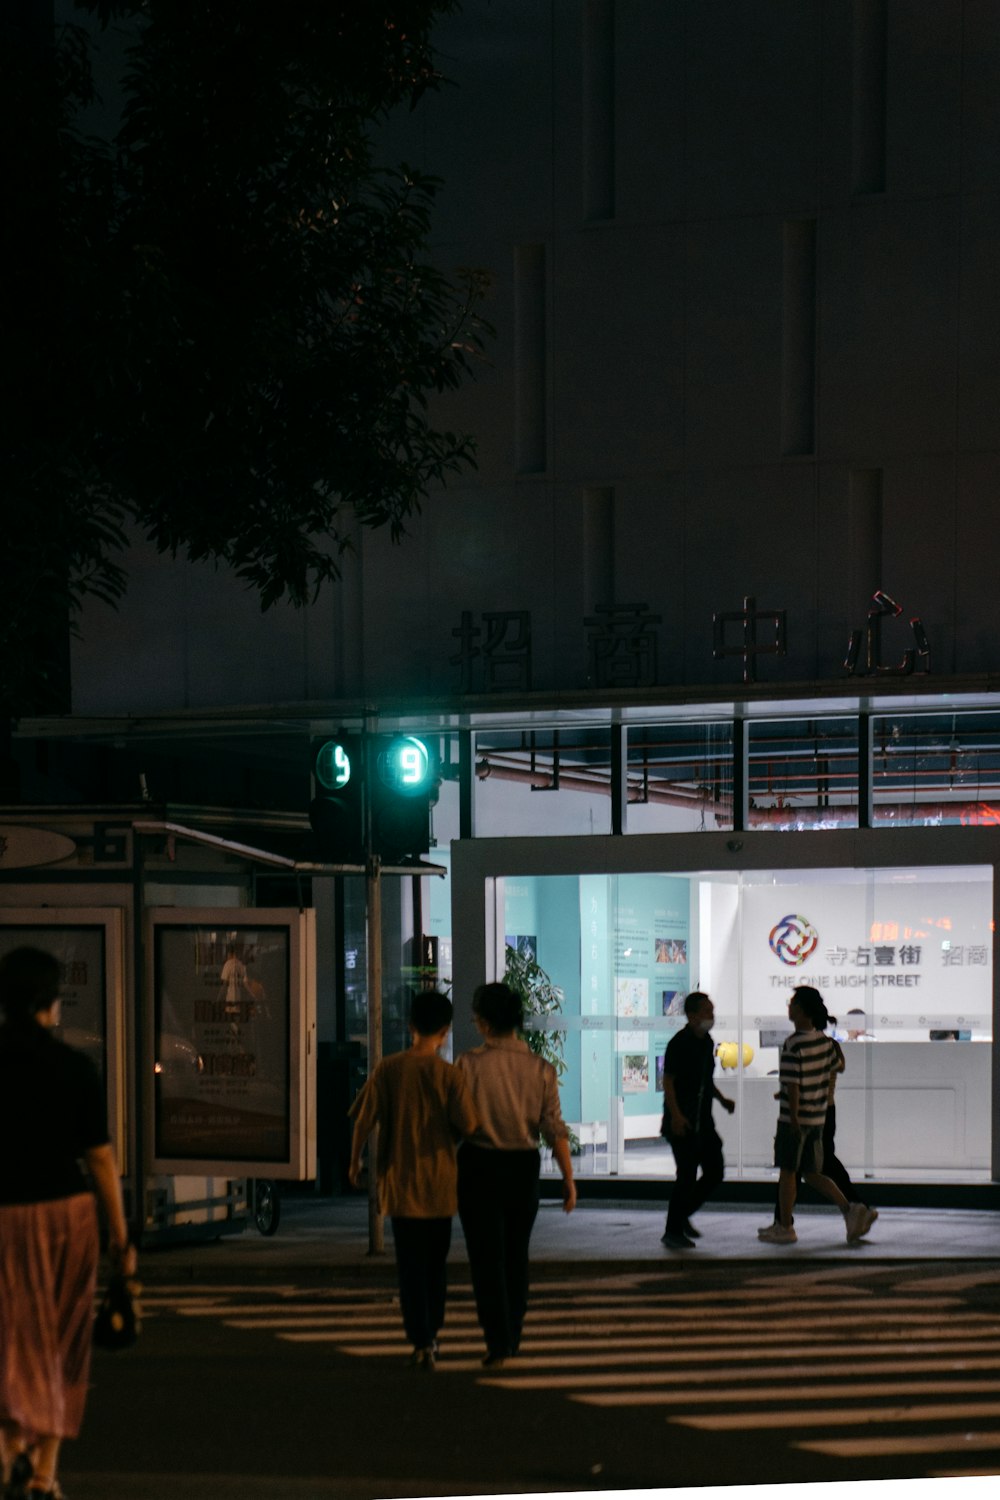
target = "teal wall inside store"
x: 633, y: 912
x: 647, y: 907
x: 548, y: 908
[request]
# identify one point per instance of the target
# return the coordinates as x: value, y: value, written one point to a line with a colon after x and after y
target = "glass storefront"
x: 641, y: 853
x: 902, y: 956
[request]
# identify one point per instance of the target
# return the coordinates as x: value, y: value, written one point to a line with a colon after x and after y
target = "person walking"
x: 688, y: 1092
x: 422, y: 1107
x: 832, y: 1166
x: 515, y: 1094
x: 807, y: 1075
x: 52, y: 1114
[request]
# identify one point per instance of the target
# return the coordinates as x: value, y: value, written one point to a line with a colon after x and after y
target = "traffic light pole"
x: 354, y: 820
x: 373, y: 895
x: 373, y: 908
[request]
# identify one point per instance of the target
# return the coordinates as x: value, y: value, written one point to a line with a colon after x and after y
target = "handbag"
x: 118, y: 1319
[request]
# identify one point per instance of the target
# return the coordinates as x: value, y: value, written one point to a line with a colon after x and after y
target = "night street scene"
x: 500, y: 775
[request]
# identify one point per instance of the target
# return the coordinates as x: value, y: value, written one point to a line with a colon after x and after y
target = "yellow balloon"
x: 728, y: 1054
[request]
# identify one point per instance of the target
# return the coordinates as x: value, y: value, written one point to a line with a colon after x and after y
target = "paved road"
x: 687, y: 1376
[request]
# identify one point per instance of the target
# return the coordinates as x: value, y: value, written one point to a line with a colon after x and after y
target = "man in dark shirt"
x: 688, y: 1091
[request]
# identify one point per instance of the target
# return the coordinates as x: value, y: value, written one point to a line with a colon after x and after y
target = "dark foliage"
x: 223, y: 325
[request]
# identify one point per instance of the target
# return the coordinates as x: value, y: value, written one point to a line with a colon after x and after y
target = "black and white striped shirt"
x: 807, y: 1058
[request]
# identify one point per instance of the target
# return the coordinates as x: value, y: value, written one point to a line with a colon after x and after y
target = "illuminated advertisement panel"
x: 232, y: 1042
x: 87, y: 944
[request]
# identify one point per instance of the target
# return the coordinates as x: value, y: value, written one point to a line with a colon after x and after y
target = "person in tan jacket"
x: 422, y: 1107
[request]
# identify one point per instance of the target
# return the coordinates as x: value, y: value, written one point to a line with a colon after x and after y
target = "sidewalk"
x: 329, y: 1238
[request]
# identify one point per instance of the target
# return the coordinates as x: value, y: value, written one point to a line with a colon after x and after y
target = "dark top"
x: 690, y: 1061
x: 52, y: 1110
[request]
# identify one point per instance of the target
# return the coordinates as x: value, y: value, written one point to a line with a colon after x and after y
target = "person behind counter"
x: 856, y: 1022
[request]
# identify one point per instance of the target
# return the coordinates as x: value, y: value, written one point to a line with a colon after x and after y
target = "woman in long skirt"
x: 52, y: 1113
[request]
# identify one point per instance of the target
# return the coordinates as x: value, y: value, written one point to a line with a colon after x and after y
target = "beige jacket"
x: 422, y: 1108
x: 514, y: 1093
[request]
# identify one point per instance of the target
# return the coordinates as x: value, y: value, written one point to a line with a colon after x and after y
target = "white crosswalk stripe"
x: 639, y: 1381
x: 837, y: 1416
x: 937, y: 1442
x: 826, y: 1364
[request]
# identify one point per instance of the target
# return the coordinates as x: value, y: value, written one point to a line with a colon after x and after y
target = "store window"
x: 803, y: 773
x: 902, y: 957
x: 680, y: 777
x: 544, y: 781
x: 934, y: 769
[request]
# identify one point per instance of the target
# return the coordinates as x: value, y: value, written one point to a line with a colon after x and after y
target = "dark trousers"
x: 692, y: 1151
x: 833, y: 1167
x: 421, y: 1265
x: 497, y: 1204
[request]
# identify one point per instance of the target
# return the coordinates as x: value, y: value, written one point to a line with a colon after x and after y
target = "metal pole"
x: 373, y: 892
x: 866, y: 767
x: 619, y: 778
x: 741, y: 791
x: 373, y: 906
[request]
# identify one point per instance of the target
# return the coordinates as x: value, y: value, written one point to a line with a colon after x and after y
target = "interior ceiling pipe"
x: 598, y: 782
x: 972, y: 812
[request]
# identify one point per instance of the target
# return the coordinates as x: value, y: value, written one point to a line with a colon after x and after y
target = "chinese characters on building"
x: 494, y: 652
x: 870, y: 963
x: 500, y: 647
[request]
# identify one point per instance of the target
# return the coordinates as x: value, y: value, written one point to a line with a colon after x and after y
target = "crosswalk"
x: 829, y: 1363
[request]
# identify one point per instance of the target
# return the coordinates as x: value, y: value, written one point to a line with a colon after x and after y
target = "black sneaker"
x: 691, y: 1232
x: 676, y: 1241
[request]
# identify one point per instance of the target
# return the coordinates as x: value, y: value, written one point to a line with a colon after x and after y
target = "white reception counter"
x: 901, y: 1106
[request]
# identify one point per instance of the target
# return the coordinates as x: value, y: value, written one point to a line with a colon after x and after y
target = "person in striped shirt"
x: 807, y: 1074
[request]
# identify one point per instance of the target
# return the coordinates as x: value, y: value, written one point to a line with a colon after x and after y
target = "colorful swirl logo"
x: 793, y: 939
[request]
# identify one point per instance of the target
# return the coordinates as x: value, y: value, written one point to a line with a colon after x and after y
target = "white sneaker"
x: 777, y: 1234
x: 857, y: 1216
x: 871, y: 1214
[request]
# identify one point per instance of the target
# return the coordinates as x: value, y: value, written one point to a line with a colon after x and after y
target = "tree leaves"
x: 228, y: 322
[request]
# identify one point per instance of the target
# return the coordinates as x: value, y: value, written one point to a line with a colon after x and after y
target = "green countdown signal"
x: 337, y: 808
x: 332, y: 766
x: 404, y: 766
x: 404, y: 784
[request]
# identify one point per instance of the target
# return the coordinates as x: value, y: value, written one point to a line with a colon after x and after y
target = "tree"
x: 226, y: 325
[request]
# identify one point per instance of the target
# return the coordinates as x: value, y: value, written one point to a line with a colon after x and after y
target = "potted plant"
x: 539, y: 997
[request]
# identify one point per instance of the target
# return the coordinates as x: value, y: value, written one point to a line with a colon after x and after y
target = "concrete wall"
x: 744, y: 285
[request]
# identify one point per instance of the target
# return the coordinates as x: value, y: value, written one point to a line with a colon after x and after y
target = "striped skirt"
x: 48, y: 1275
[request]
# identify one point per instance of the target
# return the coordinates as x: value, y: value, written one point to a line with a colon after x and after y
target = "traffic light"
x: 404, y: 785
x: 337, y: 809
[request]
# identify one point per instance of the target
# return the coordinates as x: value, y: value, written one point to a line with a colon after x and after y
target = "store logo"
x: 793, y: 939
